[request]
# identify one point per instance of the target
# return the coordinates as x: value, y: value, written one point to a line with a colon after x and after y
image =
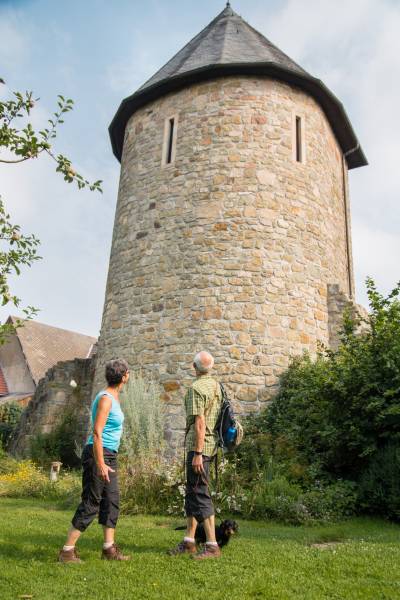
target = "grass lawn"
x: 356, y: 559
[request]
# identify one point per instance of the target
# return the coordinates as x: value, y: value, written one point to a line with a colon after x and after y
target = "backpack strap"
x: 216, y: 470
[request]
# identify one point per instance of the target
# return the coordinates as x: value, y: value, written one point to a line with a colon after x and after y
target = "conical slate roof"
x: 227, y: 39
x: 229, y: 46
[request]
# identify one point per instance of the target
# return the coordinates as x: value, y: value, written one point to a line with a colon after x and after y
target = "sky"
x: 98, y: 52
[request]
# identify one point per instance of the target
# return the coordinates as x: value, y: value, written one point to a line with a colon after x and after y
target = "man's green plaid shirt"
x: 203, y: 398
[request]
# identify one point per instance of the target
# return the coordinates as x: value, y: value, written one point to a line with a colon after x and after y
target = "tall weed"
x: 144, y: 425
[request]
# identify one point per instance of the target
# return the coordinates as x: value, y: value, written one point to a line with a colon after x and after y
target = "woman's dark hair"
x: 115, y: 370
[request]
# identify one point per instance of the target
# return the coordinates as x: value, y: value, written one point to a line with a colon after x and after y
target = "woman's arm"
x: 103, y: 410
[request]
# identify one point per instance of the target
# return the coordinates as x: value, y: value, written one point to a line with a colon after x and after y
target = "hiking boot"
x: 69, y: 556
x: 183, y: 548
x: 114, y: 553
x: 209, y: 551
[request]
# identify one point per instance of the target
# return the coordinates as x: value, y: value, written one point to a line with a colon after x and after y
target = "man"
x: 202, y: 404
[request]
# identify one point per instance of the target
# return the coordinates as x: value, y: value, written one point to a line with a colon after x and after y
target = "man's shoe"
x: 209, y: 551
x: 113, y: 553
x: 69, y: 556
x: 183, y: 548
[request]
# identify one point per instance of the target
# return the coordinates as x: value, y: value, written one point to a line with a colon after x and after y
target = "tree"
x: 20, y: 142
x: 16, y: 250
x: 341, y: 409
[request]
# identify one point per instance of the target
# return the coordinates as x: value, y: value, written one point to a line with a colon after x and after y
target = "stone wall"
x: 53, y: 399
x: 231, y: 247
x: 338, y: 303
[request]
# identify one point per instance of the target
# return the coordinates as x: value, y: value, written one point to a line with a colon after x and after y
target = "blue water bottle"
x: 230, y: 435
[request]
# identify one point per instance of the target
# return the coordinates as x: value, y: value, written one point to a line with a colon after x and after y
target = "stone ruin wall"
x: 338, y: 304
x: 232, y: 247
x: 53, y: 399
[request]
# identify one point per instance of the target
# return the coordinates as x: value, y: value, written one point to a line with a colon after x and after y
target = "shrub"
x: 331, y: 502
x: 337, y: 411
x: 7, y: 463
x: 379, y: 491
x: 149, y: 483
x: 260, y: 451
x: 151, y: 486
x: 327, y: 429
x: 44, y: 448
x: 59, y: 444
x: 10, y: 415
x: 26, y: 480
x: 144, y: 420
x: 272, y: 494
x: 154, y: 487
x: 277, y: 499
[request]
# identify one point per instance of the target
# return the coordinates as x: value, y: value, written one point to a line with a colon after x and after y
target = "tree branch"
x: 15, y: 161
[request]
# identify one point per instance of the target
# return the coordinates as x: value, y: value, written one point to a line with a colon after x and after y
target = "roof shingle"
x: 44, y: 346
x: 227, y: 39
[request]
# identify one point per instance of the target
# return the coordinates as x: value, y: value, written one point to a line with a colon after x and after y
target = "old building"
x: 30, y: 352
x: 232, y: 228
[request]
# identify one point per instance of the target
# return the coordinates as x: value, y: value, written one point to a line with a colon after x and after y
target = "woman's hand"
x: 104, y: 470
x: 197, y: 464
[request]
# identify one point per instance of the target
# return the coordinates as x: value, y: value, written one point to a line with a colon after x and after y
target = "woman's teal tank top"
x: 112, y: 431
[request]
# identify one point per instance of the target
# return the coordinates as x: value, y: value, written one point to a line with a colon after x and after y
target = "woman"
x: 100, y: 493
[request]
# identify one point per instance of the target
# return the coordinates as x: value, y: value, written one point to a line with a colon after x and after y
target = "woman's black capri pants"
x: 99, y: 497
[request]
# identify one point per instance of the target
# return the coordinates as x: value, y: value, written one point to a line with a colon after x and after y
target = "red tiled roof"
x: 3, y: 384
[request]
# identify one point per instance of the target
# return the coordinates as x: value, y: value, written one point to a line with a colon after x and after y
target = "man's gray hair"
x: 203, y: 361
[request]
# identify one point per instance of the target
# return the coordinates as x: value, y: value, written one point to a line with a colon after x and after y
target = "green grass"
x: 266, y: 560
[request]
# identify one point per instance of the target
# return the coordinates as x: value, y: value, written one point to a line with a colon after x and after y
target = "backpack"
x: 228, y: 428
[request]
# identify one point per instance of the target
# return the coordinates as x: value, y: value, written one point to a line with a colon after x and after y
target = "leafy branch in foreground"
x: 25, y: 143
x: 20, y: 142
x: 16, y: 250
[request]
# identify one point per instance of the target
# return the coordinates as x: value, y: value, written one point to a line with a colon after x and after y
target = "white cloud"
x: 13, y: 43
x: 319, y: 31
x: 376, y: 254
x: 130, y: 72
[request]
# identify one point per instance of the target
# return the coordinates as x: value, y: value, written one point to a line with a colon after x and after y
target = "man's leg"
x: 191, y: 527
x: 211, y: 548
x: 188, y: 545
x: 108, y: 534
x: 209, y: 528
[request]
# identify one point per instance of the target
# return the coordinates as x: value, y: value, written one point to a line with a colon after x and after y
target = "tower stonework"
x: 232, y: 218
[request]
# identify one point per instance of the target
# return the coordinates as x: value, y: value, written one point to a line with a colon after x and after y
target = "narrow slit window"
x: 299, y: 141
x: 168, y: 155
x: 170, y: 140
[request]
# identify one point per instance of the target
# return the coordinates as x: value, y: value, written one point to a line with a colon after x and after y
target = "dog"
x: 223, y: 532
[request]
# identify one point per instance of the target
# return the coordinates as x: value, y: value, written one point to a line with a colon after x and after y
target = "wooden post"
x: 55, y: 470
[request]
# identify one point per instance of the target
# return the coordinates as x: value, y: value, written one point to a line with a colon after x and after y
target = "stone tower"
x: 232, y: 222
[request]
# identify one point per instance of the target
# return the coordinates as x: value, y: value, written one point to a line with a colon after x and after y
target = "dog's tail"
x: 180, y: 528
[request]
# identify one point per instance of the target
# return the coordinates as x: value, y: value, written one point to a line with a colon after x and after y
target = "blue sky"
x: 98, y: 52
